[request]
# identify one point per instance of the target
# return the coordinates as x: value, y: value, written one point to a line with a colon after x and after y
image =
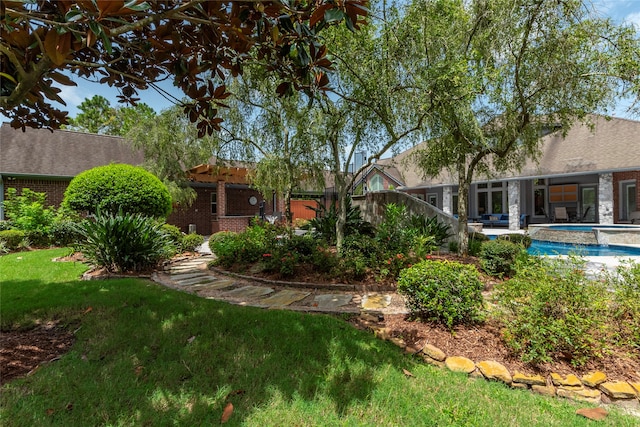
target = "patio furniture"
x: 560, y: 214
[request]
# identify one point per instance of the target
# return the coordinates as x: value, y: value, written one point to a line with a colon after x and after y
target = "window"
x: 539, y: 198
x: 375, y: 184
x: 454, y: 201
x: 491, y: 198
x: 432, y: 199
x: 628, y: 200
x: 214, y: 203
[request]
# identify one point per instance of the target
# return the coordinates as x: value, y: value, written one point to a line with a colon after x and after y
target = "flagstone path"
x: 193, y: 276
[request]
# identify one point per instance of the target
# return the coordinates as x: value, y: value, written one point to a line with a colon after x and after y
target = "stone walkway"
x: 193, y: 276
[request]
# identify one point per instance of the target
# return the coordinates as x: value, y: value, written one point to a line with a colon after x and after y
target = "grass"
x: 148, y: 355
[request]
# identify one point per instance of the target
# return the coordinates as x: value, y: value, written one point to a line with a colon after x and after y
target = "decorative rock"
x: 596, y: 414
x: 433, y: 362
x: 460, y: 364
x: 399, y: 342
x: 633, y: 404
x: 570, y: 381
x: 544, y: 390
x: 594, y: 379
x: 411, y: 349
x: 529, y: 379
x: 495, y: 371
x: 476, y: 374
x: 584, y: 395
x: 636, y: 386
x: 382, y: 333
x: 521, y: 386
x: 618, y: 390
x: 434, y: 352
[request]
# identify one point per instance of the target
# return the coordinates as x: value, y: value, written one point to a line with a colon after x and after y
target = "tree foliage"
x: 98, y: 116
x: 501, y: 74
x: 132, y: 45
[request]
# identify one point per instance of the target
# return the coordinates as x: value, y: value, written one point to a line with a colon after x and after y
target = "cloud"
x: 71, y: 95
x: 633, y: 18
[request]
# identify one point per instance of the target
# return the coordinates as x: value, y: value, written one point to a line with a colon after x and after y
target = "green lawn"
x: 148, y: 355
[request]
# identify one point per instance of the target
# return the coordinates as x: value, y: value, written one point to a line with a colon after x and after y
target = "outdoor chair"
x: 560, y: 214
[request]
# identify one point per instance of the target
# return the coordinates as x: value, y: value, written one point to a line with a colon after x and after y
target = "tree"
x: 171, y: 145
x: 98, y: 116
x: 500, y: 74
x: 132, y: 45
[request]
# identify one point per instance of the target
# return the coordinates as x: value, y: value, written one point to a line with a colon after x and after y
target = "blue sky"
x: 619, y: 10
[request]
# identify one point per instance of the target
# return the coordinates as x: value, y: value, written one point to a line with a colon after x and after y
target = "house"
x: 46, y: 161
x: 593, y: 173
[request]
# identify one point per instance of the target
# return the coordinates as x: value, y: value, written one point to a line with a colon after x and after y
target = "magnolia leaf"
x: 407, y: 373
x: 226, y: 414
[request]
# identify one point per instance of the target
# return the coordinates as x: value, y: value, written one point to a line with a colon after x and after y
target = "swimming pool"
x: 586, y: 234
x: 556, y: 248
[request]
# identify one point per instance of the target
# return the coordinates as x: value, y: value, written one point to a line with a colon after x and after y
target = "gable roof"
x: 61, y: 153
x: 613, y: 145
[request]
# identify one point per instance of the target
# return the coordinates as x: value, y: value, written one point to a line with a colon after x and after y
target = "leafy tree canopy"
x: 98, y: 116
x: 133, y: 44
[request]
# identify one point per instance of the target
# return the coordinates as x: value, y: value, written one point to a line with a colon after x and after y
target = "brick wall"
x: 617, y: 178
x: 54, y: 189
x: 238, y: 201
x: 199, y: 213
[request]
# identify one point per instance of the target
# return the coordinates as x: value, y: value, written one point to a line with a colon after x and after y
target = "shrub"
x: 431, y: 227
x: 225, y: 245
x: 65, y: 232
x: 395, y: 233
x: 173, y: 233
x: 12, y: 238
x: 118, y: 188
x: 6, y: 225
x: 28, y: 213
x: 190, y: 242
x: 519, y: 239
x: 625, y: 307
x: 552, y: 309
x: 497, y: 257
x: 324, y: 224
x: 124, y: 242
x: 442, y: 291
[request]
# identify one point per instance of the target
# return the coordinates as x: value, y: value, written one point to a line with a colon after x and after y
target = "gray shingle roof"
x: 612, y: 145
x: 61, y: 153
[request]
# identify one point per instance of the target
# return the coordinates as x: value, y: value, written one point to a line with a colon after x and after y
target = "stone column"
x: 446, y: 200
x: 513, y: 191
x: 605, y: 198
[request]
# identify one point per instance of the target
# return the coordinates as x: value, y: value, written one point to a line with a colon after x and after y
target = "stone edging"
x: 593, y: 387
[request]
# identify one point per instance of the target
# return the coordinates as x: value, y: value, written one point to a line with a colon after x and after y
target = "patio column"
x: 446, y: 200
x: 513, y: 190
x: 221, y: 199
x: 605, y: 198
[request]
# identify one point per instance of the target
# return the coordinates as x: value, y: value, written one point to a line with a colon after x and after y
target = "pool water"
x: 552, y: 248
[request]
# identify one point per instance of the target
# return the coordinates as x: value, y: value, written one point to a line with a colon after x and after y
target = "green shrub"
x: 225, y: 245
x: 6, y: 225
x: 324, y: 224
x: 395, y: 233
x: 625, y: 307
x: 553, y: 310
x: 118, y: 187
x: 497, y: 257
x: 431, y: 227
x: 65, y: 232
x: 519, y: 239
x: 124, y: 242
x: 190, y: 242
x: 442, y: 291
x: 28, y: 212
x: 12, y: 238
x: 173, y: 233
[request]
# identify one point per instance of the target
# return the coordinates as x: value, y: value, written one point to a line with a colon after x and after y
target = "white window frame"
x: 375, y: 182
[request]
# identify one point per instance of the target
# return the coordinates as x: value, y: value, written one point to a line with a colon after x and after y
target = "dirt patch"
x: 22, y: 352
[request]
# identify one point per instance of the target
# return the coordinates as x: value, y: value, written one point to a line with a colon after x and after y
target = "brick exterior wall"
x: 54, y: 189
x: 199, y: 213
x: 617, y: 178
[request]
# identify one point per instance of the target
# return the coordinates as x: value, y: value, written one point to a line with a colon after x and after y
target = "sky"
x: 619, y: 10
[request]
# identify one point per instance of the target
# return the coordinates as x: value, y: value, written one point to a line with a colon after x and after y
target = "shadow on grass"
x: 149, y: 355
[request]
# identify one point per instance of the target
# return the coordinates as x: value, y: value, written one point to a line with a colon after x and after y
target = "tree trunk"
x: 287, y: 205
x: 464, y: 184
x: 341, y: 211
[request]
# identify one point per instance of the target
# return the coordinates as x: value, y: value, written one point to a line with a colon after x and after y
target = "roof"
x: 61, y: 153
x: 612, y: 145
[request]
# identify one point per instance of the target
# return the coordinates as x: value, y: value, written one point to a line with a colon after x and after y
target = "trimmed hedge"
x: 12, y: 238
x: 118, y: 188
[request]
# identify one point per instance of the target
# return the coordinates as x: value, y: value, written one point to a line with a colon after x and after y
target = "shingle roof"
x: 61, y: 153
x: 612, y: 145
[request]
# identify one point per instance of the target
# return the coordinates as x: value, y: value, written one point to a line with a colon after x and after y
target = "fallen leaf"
x: 50, y: 411
x: 190, y: 340
x: 407, y: 373
x: 88, y: 310
x: 139, y: 370
x: 69, y: 406
x: 596, y: 414
x: 226, y: 414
